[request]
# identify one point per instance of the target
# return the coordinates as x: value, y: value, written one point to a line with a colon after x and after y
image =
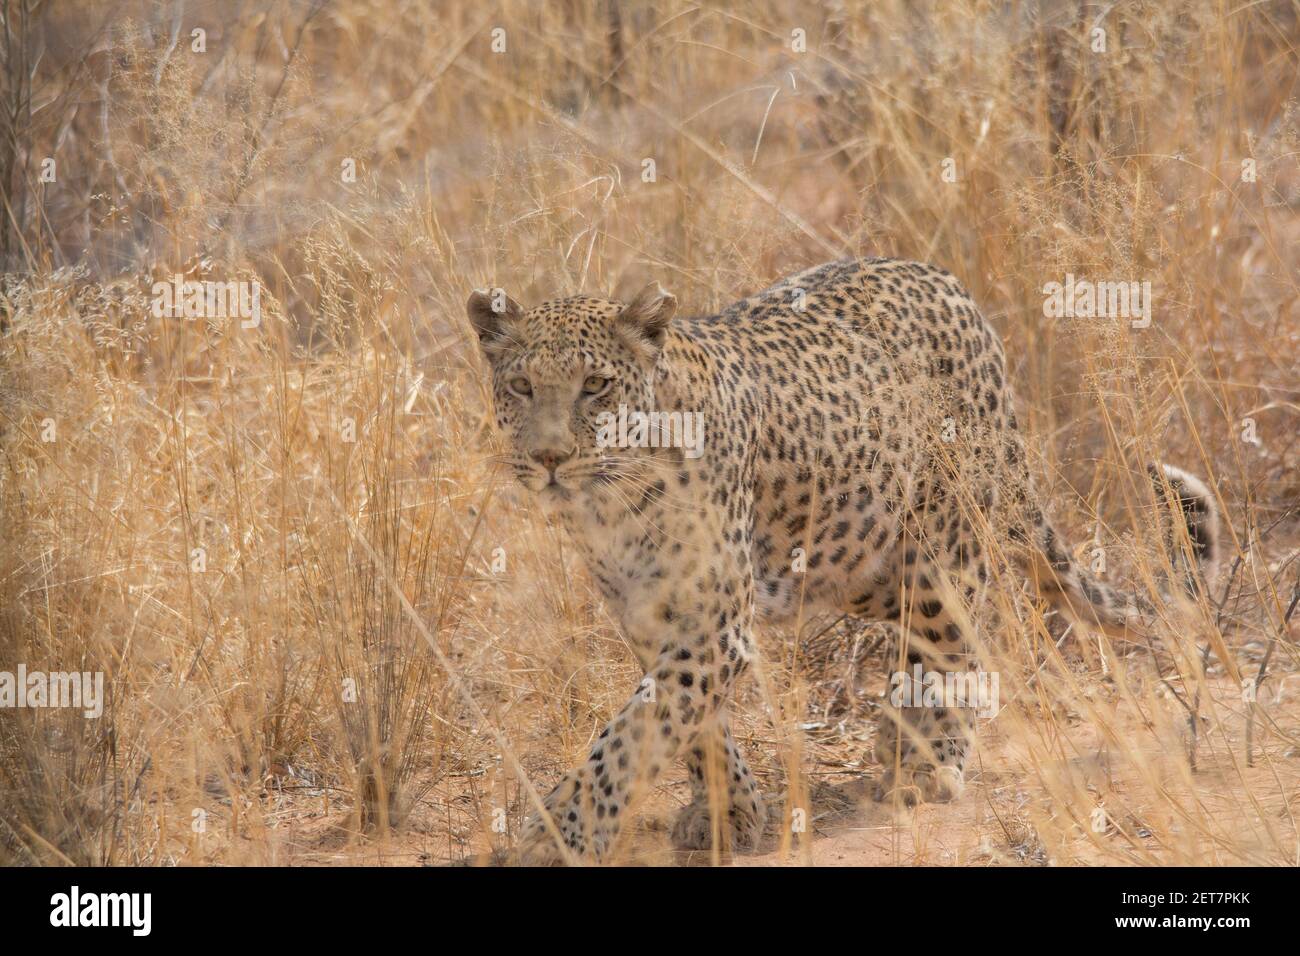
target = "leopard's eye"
x: 521, y: 387
x: 595, y: 385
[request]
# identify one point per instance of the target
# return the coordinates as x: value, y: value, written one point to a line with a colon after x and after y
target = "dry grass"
x: 183, y: 509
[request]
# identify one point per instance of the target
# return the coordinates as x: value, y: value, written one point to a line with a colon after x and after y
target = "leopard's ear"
x: 490, y: 312
x: 647, y: 316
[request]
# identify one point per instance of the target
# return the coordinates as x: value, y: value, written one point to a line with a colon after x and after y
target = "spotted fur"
x: 861, y: 451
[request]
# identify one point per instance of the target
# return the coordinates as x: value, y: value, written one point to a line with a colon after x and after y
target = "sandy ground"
x: 1007, y: 816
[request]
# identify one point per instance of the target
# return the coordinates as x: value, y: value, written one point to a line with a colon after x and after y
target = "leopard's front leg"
x: 726, y: 808
x: 688, y: 683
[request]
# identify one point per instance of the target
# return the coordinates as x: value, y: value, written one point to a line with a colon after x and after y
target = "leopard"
x: 857, y: 453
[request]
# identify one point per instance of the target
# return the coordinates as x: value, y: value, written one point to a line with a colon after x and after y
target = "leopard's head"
x: 560, y: 370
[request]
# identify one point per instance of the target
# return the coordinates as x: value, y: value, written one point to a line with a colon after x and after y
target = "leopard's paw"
x: 926, y: 784
x: 741, y: 829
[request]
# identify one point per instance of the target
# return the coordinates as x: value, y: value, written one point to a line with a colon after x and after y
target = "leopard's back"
x: 847, y: 376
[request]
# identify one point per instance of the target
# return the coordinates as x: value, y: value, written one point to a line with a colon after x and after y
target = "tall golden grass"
x: 330, y: 631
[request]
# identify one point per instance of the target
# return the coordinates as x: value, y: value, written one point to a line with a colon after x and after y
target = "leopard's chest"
x: 638, y: 559
x: 621, y: 549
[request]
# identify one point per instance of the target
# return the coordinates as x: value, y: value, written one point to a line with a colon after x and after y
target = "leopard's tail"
x: 1082, y: 596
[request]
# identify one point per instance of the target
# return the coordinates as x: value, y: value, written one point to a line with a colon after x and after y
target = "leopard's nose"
x: 551, y: 458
